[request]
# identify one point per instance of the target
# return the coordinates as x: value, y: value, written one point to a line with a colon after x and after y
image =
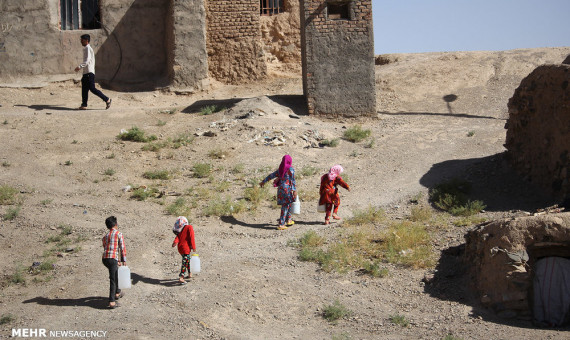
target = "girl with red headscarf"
x: 286, y: 190
x: 329, y: 191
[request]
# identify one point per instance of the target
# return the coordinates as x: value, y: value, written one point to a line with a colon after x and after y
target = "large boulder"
x: 538, y: 129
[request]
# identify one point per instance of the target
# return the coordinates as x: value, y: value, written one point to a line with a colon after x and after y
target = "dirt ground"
x: 440, y: 115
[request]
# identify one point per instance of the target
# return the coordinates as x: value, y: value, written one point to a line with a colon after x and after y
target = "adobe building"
x: 179, y: 44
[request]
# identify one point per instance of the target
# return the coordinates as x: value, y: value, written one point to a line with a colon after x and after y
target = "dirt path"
x: 252, y: 285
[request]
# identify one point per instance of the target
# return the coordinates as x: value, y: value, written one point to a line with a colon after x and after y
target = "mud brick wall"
x: 538, y: 129
x: 235, y: 51
x: 338, y: 59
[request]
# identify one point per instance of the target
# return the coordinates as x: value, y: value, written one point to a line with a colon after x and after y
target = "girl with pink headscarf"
x: 329, y: 191
x: 286, y: 190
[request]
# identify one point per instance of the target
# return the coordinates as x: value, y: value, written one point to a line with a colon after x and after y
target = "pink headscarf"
x: 335, y: 171
x: 284, y: 166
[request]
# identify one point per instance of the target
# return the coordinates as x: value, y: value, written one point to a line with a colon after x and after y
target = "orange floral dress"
x: 329, y: 190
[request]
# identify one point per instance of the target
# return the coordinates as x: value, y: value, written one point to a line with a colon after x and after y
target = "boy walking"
x: 113, y: 244
x: 88, y: 79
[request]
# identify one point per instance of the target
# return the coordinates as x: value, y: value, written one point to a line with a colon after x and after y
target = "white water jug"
x: 124, y: 277
x: 194, y: 264
x: 296, y: 206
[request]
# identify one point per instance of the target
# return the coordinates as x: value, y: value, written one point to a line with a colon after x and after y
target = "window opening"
x: 338, y: 11
x: 80, y: 14
x: 270, y: 7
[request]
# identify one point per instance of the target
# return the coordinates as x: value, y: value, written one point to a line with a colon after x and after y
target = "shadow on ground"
x: 40, y: 107
x: 97, y: 302
x: 493, y: 181
x: 136, y: 278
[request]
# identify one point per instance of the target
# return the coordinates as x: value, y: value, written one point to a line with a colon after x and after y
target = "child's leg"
x: 185, y: 266
x: 335, y: 211
x: 328, y: 207
x: 113, y: 268
x: 284, y: 213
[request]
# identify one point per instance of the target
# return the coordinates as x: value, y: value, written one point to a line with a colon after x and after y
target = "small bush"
x: 142, y: 193
x: 373, y: 269
x: 420, y: 214
x: 160, y: 123
x: 255, y: 195
x: 46, y: 201
x: 237, y: 169
x: 399, y: 320
x: 135, y: 134
x: 17, y: 277
x: 179, y: 208
x: 227, y: 207
x: 218, y: 154
x: 202, y: 170
x: 333, y: 143
x: 452, y: 196
x: 11, y: 213
x: 336, y: 311
x: 8, y: 195
x: 111, y: 156
x: 158, y: 174
x: 210, y: 109
x: 356, y: 134
x: 311, y: 239
x: 182, y: 140
x: 408, y: 244
x: 370, y: 215
x: 109, y: 172
x: 470, y: 133
x: 6, y: 164
x: 68, y: 163
x: 7, y: 318
x: 308, y: 171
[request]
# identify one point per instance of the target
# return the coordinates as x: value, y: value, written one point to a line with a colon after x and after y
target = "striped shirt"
x: 113, y: 242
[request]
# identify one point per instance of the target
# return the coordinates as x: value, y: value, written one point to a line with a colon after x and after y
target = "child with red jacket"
x: 185, y: 239
x: 329, y: 191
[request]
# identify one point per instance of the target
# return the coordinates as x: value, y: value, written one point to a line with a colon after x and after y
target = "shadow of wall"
x: 136, y: 56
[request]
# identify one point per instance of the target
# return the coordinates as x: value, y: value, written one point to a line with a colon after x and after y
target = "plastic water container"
x: 124, y: 277
x: 296, y: 206
x: 194, y: 264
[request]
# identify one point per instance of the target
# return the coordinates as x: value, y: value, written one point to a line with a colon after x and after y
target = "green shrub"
x: 333, y: 143
x: 17, y: 277
x: 408, y: 244
x: 182, y: 140
x: 202, y: 170
x: 109, y: 172
x: 218, y: 153
x: 370, y: 215
x: 8, y: 195
x: 399, y: 320
x: 221, y: 207
x: 452, y: 196
x: 356, y: 134
x: 308, y: 171
x: 335, y: 311
x: 142, y: 193
x: 7, y: 318
x: 210, y: 109
x: 420, y: 214
x: 157, y: 174
x: 135, y: 134
x: 12, y: 213
x: 373, y: 269
x: 179, y: 208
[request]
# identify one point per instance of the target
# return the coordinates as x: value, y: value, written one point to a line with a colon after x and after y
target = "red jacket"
x: 185, y: 240
x: 329, y: 190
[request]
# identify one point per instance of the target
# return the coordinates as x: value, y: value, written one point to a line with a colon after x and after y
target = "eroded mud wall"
x: 538, y: 129
x: 235, y: 51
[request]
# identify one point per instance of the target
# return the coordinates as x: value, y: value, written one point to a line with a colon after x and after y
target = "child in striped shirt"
x: 114, y: 255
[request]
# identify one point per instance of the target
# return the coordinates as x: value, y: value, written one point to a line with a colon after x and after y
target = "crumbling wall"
x: 538, y: 129
x: 281, y: 38
x: 501, y: 256
x: 338, y: 59
x: 235, y: 51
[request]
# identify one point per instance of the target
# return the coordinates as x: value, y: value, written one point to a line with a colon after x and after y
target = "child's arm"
x: 175, y: 241
x: 192, y: 242
x: 268, y: 178
x: 342, y: 183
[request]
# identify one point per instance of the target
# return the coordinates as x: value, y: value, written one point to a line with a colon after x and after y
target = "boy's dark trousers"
x: 113, y: 267
x: 88, y: 84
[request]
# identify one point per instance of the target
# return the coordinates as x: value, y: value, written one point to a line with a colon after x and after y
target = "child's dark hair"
x: 86, y: 37
x: 110, y: 222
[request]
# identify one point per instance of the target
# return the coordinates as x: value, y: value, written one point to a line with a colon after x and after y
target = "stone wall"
x: 501, y: 256
x: 235, y: 51
x: 538, y: 129
x: 338, y: 59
